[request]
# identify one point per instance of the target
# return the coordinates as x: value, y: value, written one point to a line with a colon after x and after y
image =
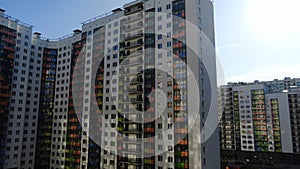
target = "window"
x: 168, y: 6
x: 159, y: 9
x: 159, y: 147
x: 159, y: 158
x: 159, y: 56
x: 159, y: 27
x: 170, y: 159
x: 159, y: 18
x: 159, y: 36
x: 170, y: 95
x: 116, y: 24
x: 169, y: 44
x: 168, y: 25
x: 168, y: 34
x: 112, y: 143
x: 169, y: 15
x: 159, y: 85
x: 169, y: 104
x: 159, y: 46
x: 115, y: 47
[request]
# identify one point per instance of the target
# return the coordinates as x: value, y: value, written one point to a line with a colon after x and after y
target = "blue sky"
x: 256, y: 39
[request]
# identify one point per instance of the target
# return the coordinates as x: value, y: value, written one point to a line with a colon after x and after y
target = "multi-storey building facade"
x: 24, y: 90
x: 276, y: 85
x: 259, y: 116
x: 120, y: 93
x: 8, y: 47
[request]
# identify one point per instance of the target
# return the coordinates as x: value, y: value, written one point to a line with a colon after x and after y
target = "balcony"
x: 132, y: 62
x: 133, y: 71
x: 134, y: 44
x: 133, y: 18
x: 131, y: 160
x: 135, y: 90
x: 133, y: 7
x: 134, y: 27
x: 133, y: 130
x: 133, y: 81
x: 132, y: 110
x: 132, y: 53
x: 130, y: 36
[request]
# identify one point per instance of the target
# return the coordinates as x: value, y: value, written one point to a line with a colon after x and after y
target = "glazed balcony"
x: 133, y: 81
x: 134, y: 44
x: 132, y: 62
x: 133, y: 18
x: 133, y: 27
x: 130, y: 36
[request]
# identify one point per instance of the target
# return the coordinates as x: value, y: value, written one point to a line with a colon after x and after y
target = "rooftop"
x: 2, y: 14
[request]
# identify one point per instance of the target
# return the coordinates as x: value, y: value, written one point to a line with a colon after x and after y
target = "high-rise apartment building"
x: 123, y: 92
x: 260, y: 116
x: 21, y: 84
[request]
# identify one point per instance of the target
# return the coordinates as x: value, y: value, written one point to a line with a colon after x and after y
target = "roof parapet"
x: 2, y: 14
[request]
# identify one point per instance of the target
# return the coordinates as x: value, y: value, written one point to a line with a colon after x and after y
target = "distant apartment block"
x: 94, y: 98
x: 260, y: 116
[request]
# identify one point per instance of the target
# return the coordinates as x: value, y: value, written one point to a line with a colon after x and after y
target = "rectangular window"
x: 159, y: 9
x: 168, y: 6
x: 159, y: 27
x: 159, y: 18
x: 159, y: 36
x: 169, y: 44
x: 168, y: 25
x: 115, y: 47
x: 159, y: 56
